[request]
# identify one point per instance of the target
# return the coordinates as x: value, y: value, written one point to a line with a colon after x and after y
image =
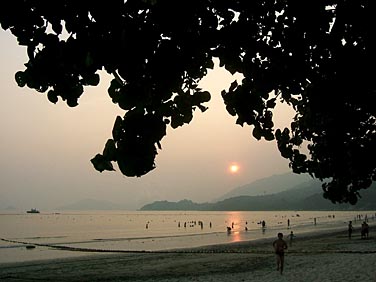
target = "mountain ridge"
x: 267, y: 185
x: 307, y: 196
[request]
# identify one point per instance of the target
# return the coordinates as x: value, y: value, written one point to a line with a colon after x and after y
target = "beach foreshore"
x: 321, y: 256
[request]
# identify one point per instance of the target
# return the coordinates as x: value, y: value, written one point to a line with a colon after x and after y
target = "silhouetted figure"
x: 350, y: 229
x: 288, y: 223
x: 364, y: 230
x: 314, y: 221
x: 228, y: 229
x: 291, y: 237
x: 263, y: 223
x: 280, y: 246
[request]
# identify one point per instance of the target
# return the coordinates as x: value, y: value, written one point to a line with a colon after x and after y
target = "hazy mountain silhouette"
x: 268, y: 185
x: 306, y: 196
x: 302, y: 193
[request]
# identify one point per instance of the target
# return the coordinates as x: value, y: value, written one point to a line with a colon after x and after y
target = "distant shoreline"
x: 100, y: 235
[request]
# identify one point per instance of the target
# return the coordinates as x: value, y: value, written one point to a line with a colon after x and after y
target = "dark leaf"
x: 52, y: 97
x: 109, y: 151
x: 101, y: 163
x: 20, y: 78
x: 257, y: 133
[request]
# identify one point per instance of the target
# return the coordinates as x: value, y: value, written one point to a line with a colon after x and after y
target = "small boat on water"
x: 32, y: 211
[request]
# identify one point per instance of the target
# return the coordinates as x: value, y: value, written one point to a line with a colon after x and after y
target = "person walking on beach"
x: 350, y: 229
x: 291, y: 236
x: 364, y: 230
x: 280, y: 246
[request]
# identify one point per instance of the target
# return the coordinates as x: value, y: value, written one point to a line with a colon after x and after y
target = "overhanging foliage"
x: 317, y: 56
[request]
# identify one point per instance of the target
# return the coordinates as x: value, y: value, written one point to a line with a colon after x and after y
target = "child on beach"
x: 279, y: 247
x: 291, y: 236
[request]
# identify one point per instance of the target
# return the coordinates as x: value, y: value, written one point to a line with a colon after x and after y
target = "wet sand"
x: 320, y: 257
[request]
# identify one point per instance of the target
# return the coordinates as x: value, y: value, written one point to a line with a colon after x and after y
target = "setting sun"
x: 234, y: 168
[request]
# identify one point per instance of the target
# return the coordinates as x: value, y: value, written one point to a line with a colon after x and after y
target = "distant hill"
x: 90, y: 204
x: 8, y: 208
x: 269, y: 185
x: 183, y: 205
x: 307, y: 196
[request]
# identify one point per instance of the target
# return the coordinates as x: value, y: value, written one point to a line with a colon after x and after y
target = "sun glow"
x: 234, y: 168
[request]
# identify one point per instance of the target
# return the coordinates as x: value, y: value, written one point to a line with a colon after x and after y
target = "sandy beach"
x: 312, y: 257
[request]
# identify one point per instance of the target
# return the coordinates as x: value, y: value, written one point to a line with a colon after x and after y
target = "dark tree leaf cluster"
x: 317, y: 56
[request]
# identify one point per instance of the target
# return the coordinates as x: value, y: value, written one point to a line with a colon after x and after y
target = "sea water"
x: 62, y: 234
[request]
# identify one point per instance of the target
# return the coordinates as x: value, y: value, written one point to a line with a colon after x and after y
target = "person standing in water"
x: 280, y: 246
x: 263, y: 224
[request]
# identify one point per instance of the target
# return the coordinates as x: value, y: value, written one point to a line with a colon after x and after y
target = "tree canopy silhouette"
x: 317, y: 56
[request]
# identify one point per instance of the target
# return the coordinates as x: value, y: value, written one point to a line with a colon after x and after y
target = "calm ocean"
x: 151, y: 230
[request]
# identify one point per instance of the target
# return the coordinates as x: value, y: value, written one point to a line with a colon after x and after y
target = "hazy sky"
x: 46, y: 148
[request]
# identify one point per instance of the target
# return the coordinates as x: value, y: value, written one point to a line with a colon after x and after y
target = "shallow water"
x: 150, y: 231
